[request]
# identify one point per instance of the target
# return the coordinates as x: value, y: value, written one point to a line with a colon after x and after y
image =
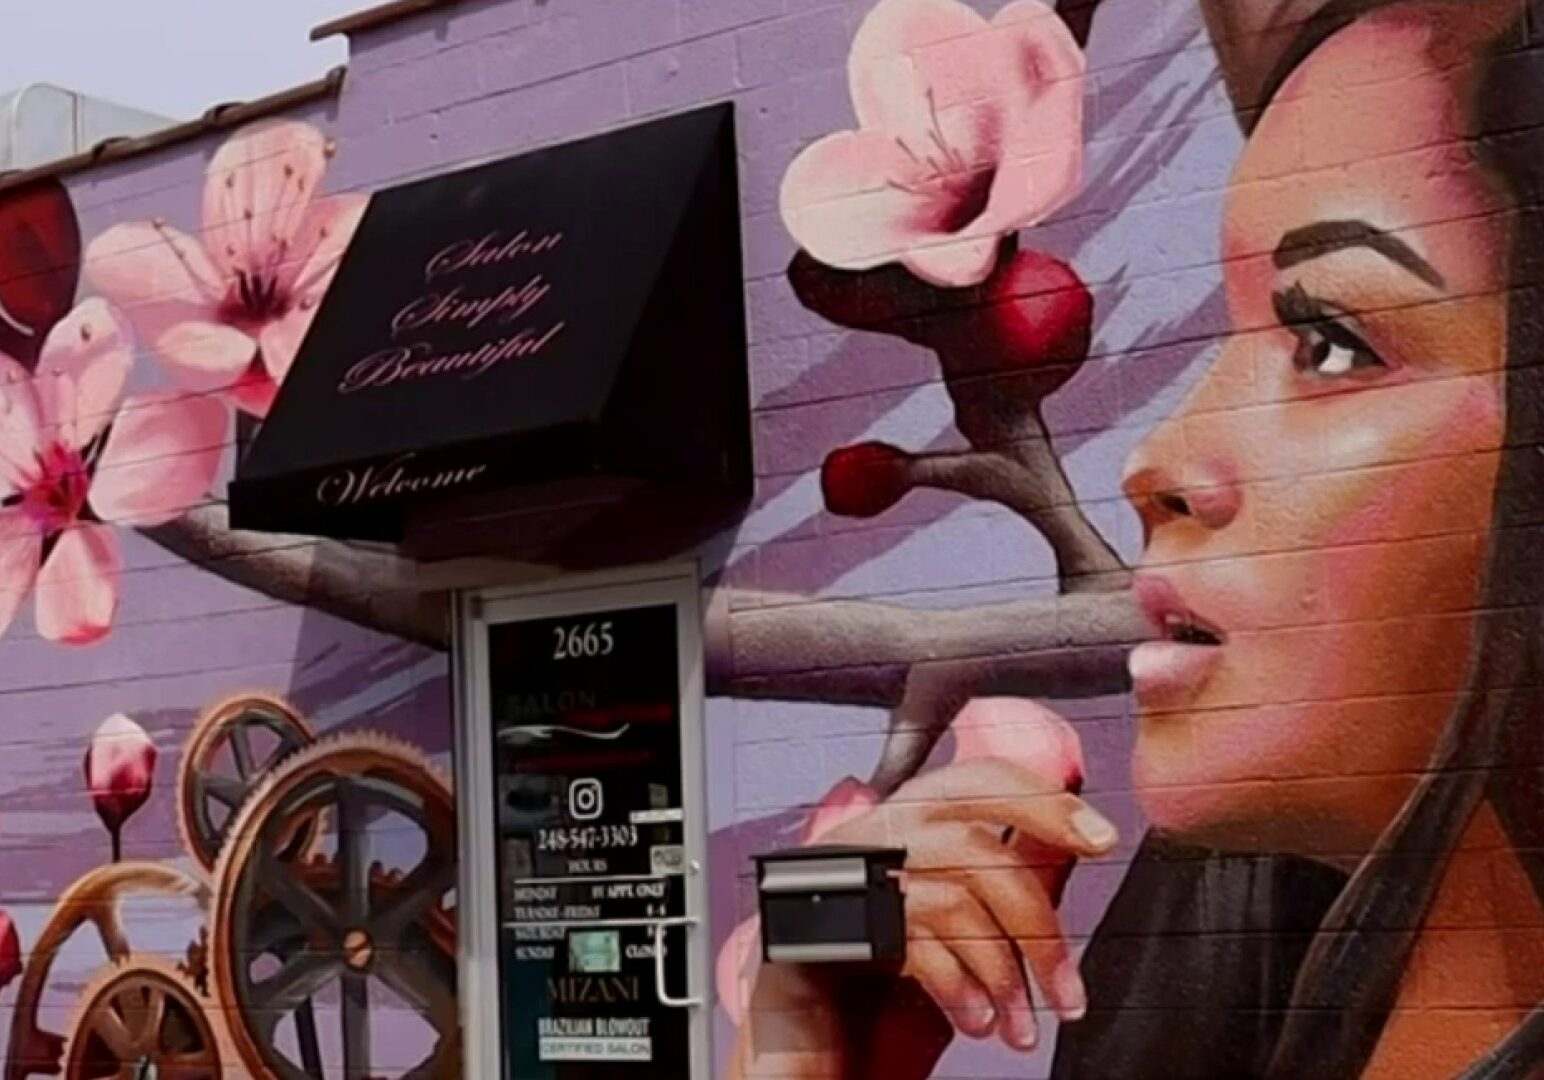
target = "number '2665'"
x: 581, y: 640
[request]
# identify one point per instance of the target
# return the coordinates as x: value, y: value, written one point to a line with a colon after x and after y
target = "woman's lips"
x: 1188, y: 649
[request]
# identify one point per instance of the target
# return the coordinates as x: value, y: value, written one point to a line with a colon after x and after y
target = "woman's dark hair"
x: 1493, y: 746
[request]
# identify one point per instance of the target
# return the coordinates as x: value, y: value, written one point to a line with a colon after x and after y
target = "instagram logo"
x: 584, y: 800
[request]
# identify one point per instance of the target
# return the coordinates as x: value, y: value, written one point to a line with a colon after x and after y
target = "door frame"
x: 474, y: 611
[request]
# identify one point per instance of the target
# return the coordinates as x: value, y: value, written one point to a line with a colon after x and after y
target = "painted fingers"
x: 985, y: 939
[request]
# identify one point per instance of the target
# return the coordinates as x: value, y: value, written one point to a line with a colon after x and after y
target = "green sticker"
x: 594, y: 952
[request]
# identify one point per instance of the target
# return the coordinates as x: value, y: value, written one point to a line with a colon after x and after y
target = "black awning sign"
x: 556, y: 330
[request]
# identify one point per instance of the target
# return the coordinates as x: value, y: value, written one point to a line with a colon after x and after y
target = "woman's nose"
x: 1164, y: 488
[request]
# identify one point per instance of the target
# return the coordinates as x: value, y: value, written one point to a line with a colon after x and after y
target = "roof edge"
x: 380, y: 15
x: 215, y: 118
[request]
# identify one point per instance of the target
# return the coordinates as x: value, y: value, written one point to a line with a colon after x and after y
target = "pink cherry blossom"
x: 967, y: 130
x: 120, y: 769
x: 73, y: 462
x: 230, y: 313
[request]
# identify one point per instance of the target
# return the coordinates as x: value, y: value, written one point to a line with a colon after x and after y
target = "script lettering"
x: 455, y: 307
x: 488, y: 250
x: 406, y: 363
x: 503, y: 320
x: 349, y: 487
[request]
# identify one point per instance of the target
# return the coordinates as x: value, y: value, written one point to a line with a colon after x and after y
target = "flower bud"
x: 120, y: 769
x: 864, y: 480
x: 10, y: 949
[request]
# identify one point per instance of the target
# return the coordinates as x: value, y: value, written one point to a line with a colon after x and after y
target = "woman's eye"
x: 1326, y: 347
x: 1329, y: 350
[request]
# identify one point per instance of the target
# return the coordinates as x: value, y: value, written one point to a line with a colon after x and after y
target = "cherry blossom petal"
x: 21, y: 426
x: 205, y: 355
x: 21, y: 547
x: 966, y: 94
x: 40, y: 250
x: 888, y: 90
x: 324, y: 236
x: 161, y: 457
x: 255, y: 392
x: 734, y: 973
x: 1021, y: 731
x: 281, y: 340
x: 82, y: 371
x: 158, y: 277
x: 257, y: 190
x: 849, y: 799
x: 954, y: 263
x: 846, y: 202
x: 77, y: 589
x: 1040, y: 156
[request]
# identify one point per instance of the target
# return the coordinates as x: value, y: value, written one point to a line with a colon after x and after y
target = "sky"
x: 172, y: 57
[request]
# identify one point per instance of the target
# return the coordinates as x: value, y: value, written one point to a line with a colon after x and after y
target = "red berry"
x: 1033, y: 313
x: 864, y: 480
x: 1041, y: 309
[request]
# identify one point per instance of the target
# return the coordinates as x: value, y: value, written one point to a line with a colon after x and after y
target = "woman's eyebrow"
x: 1324, y: 237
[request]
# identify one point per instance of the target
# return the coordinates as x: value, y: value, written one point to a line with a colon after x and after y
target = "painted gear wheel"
x: 94, y: 898
x: 144, y: 1017
x: 234, y: 745
x: 289, y: 934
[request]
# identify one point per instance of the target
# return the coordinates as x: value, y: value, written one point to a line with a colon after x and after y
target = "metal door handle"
x: 660, y: 989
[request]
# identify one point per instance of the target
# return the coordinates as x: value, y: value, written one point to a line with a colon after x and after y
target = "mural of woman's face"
x: 1317, y: 511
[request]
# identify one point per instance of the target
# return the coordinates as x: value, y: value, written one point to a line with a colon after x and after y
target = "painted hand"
x: 989, y: 843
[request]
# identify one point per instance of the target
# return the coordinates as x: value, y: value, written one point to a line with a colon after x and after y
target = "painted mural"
x: 1335, y: 766
x: 1162, y: 575
x: 269, y: 892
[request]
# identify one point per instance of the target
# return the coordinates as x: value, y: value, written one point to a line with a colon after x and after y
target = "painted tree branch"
x: 369, y: 587
x: 924, y: 665
x: 1003, y: 347
x: 1030, y: 482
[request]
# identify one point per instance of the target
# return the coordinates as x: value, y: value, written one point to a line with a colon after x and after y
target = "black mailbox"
x: 831, y: 904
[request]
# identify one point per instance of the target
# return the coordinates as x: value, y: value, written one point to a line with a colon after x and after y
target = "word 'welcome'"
x: 397, y: 477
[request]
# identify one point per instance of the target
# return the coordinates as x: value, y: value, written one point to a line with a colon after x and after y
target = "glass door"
x: 583, y: 743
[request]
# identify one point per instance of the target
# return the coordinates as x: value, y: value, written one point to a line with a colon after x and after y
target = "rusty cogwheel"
x: 235, y: 743
x: 288, y: 934
x: 93, y: 898
x: 143, y: 1017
